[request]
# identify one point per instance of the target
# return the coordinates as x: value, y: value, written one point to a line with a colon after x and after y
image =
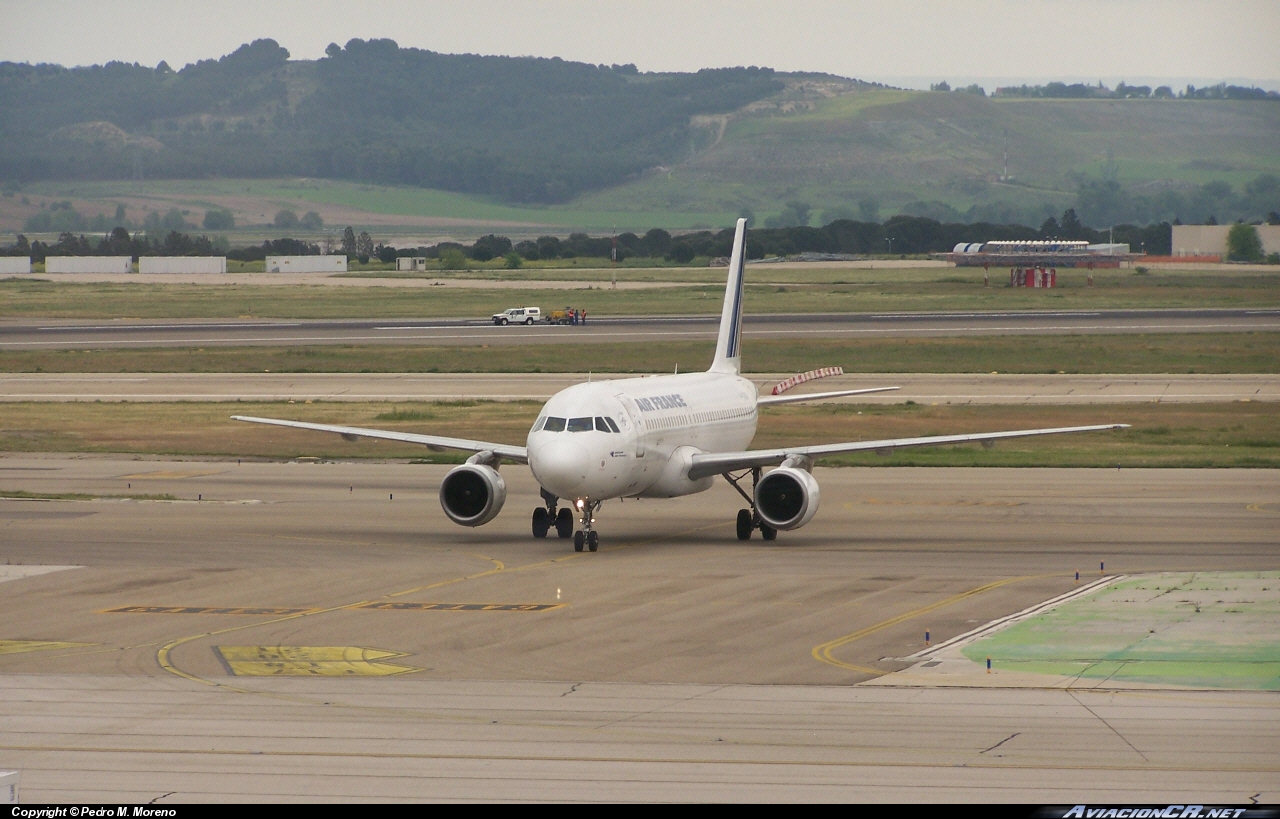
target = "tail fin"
x: 728, y: 355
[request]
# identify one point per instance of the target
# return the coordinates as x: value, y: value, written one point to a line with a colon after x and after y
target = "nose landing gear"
x: 749, y: 519
x: 586, y: 536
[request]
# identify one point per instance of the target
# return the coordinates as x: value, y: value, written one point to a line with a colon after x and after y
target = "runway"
x: 27, y: 334
x: 676, y: 663
x: 923, y: 388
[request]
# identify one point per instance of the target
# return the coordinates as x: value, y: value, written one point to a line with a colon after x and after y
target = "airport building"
x: 1047, y: 254
x: 88, y: 264
x: 182, y: 264
x: 307, y: 264
x: 411, y: 263
x: 1211, y: 240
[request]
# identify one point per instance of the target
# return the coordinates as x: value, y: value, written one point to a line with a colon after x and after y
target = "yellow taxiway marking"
x: 166, y: 474
x: 823, y: 653
x: 165, y: 662
x: 310, y: 661
x: 23, y: 646
x: 257, y: 610
x: 1260, y: 507
x: 464, y: 606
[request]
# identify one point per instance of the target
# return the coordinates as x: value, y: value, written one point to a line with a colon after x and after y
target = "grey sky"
x: 904, y: 42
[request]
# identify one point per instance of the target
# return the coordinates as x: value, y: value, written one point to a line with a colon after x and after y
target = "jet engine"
x: 472, y: 494
x: 787, y: 498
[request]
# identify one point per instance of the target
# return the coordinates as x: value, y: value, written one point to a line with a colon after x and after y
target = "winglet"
x: 728, y: 355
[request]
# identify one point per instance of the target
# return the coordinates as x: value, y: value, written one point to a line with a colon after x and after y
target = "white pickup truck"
x: 518, y: 315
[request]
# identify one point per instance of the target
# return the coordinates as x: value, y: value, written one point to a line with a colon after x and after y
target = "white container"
x: 182, y: 264
x: 88, y: 264
x: 9, y: 787
x: 15, y: 264
x: 307, y: 264
x: 411, y: 263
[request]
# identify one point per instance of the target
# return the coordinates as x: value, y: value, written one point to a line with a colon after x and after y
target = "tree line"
x: 899, y: 235
x: 1060, y: 90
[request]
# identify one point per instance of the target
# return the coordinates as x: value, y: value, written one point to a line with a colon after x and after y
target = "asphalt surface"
x: 923, y: 388
x: 676, y: 663
x: 55, y: 334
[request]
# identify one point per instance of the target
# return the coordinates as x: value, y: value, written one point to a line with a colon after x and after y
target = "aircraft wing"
x: 716, y: 463
x: 768, y: 400
x: 518, y: 454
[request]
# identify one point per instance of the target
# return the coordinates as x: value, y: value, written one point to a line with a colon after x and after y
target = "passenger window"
x: 553, y: 425
x: 581, y: 425
x: 612, y: 426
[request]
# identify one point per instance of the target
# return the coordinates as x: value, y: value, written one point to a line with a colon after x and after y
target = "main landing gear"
x: 749, y: 519
x: 545, y: 517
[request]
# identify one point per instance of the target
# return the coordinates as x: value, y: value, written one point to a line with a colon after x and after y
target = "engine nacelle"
x: 787, y: 498
x: 472, y: 494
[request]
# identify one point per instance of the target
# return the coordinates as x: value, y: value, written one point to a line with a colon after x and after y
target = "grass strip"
x: 21, y: 494
x: 1242, y: 434
x: 1172, y: 353
x: 846, y: 291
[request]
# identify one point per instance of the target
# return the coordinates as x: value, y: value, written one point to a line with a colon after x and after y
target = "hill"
x: 876, y: 152
x: 382, y: 136
x: 523, y: 129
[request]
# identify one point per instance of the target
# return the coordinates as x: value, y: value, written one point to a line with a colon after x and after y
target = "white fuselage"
x: 660, y: 423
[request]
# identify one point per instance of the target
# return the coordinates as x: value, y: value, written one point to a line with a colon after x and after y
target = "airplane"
x: 655, y: 437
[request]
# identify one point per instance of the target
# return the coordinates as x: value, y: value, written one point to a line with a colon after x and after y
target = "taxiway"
x: 676, y: 663
x: 27, y: 334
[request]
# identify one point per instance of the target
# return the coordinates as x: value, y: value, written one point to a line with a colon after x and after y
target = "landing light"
x: 579, y: 504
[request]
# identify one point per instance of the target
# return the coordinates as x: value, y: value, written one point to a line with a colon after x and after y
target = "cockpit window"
x: 604, y: 424
x: 612, y: 426
x: 581, y: 425
x: 553, y: 424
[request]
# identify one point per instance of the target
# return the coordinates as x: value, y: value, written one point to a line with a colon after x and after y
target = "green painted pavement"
x: 1201, y: 629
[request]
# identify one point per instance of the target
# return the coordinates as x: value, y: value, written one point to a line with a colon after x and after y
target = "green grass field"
x: 1163, y: 435
x: 850, y: 290
x: 1171, y: 353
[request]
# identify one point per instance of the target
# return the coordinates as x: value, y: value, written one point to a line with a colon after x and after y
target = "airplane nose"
x: 561, y: 467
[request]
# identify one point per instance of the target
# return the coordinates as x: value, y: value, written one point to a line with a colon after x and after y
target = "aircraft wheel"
x: 579, y: 538
x: 593, y: 540
x: 564, y: 523
x: 541, y: 522
x: 768, y: 532
x: 744, y: 524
